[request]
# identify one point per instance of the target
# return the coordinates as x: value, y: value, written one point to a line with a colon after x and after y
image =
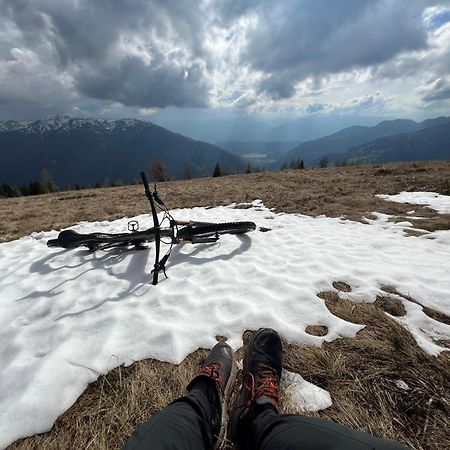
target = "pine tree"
x: 35, y: 188
x: 217, y: 171
x: 248, y: 169
x: 323, y: 162
x: 8, y: 191
x: 188, y: 172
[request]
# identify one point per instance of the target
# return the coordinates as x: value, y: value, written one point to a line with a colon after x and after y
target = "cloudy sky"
x: 117, y: 58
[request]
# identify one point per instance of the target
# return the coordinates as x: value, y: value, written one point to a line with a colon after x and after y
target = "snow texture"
x: 438, y: 202
x: 68, y: 316
x: 305, y: 396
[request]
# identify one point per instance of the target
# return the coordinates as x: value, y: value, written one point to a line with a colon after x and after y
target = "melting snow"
x: 304, y: 395
x: 438, y: 202
x: 68, y: 316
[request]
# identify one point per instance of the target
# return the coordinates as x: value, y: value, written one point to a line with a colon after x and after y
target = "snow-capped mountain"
x: 11, y: 125
x: 89, y: 151
x: 68, y: 124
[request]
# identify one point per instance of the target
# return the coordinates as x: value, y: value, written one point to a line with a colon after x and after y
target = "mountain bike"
x: 176, y: 232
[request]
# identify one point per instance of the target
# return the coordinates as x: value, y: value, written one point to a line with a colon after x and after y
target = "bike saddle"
x: 72, y: 239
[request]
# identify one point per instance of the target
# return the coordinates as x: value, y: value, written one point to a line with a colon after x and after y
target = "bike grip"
x: 144, y: 181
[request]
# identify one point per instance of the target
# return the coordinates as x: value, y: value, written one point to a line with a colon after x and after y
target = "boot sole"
x: 226, y: 396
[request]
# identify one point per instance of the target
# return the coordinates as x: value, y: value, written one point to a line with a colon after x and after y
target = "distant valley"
x: 259, y: 153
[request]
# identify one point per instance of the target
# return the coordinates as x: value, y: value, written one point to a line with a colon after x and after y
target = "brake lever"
x: 157, y: 199
x: 156, y: 196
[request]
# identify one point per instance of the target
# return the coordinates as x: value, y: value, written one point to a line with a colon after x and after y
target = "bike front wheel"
x: 214, y: 229
x: 223, y: 228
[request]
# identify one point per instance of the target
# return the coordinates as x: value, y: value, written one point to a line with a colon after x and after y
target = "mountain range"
x: 76, y: 151
x: 89, y: 151
x: 335, y: 145
x: 425, y: 144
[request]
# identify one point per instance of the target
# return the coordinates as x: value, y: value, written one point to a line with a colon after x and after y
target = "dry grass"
x: 359, y: 373
x: 110, y: 408
x: 336, y: 192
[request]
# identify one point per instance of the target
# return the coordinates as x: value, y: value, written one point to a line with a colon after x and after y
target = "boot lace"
x: 265, y: 384
x: 213, y: 370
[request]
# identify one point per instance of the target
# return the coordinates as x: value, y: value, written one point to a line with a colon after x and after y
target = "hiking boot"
x: 260, y: 382
x: 219, y: 371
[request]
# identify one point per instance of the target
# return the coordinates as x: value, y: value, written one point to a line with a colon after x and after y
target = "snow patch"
x: 305, y: 396
x: 438, y: 202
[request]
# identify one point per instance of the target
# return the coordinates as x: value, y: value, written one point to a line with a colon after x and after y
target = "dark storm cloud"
x: 157, y: 53
x: 295, y: 39
x: 85, y: 38
x: 82, y: 29
x: 145, y: 85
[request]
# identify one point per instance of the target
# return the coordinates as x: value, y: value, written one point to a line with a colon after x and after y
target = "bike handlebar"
x: 145, y: 183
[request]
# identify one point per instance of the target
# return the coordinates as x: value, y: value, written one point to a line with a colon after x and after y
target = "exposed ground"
x: 341, y: 191
x: 361, y: 374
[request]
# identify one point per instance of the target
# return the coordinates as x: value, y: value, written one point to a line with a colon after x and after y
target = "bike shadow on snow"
x: 142, y: 278
x: 137, y: 273
x: 133, y: 273
x: 179, y: 257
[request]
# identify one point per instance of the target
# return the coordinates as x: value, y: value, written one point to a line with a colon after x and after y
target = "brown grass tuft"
x: 317, y: 330
x: 391, y: 306
x: 341, y: 286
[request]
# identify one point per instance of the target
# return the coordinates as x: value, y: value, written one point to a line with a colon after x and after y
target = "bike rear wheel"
x: 70, y: 239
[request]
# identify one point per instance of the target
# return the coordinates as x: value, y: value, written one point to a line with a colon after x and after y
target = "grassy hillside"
x: 426, y: 144
x: 334, y: 145
x: 359, y: 373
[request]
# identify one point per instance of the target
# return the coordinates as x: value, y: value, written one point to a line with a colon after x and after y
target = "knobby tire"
x: 223, y: 228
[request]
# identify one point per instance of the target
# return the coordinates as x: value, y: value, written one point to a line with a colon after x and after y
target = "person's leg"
x: 256, y: 423
x: 196, y: 421
x: 273, y: 431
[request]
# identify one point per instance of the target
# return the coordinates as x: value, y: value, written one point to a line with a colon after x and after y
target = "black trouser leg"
x: 183, y: 425
x: 272, y: 431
